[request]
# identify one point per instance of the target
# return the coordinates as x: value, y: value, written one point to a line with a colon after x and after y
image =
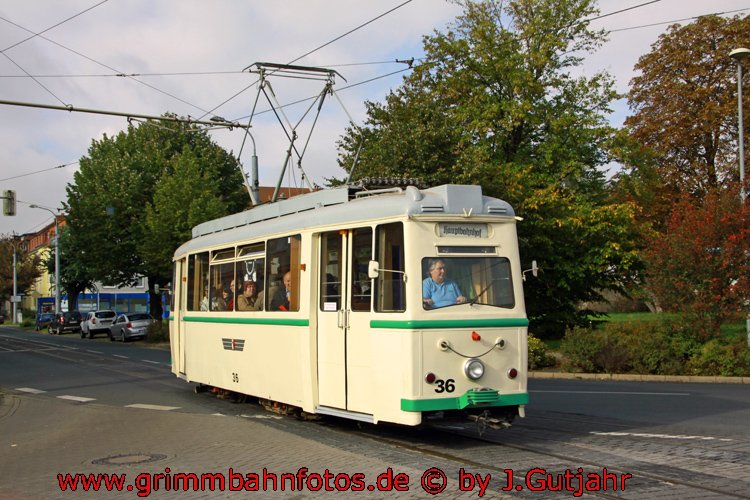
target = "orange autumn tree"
x: 701, y: 264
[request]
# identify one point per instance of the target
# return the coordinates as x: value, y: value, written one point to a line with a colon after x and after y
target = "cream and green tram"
x: 324, y: 302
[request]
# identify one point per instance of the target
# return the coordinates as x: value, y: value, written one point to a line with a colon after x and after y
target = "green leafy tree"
x: 494, y: 103
x: 116, y: 189
x: 28, y: 267
x: 700, y: 265
x: 684, y: 104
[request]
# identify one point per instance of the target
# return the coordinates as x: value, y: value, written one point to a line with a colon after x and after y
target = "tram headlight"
x: 474, y: 369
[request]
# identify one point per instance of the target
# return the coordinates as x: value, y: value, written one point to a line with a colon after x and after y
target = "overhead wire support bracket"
x: 214, y: 122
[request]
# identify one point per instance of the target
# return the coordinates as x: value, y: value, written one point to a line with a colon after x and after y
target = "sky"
x: 187, y: 57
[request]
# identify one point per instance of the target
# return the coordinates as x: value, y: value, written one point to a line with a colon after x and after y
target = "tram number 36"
x: 445, y: 385
x: 235, y: 377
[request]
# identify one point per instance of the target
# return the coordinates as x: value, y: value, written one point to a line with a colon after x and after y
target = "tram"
x: 379, y: 305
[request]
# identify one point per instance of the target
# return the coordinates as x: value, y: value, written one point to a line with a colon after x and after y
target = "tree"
x: 28, y: 267
x: 74, y: 277
x: 494, y: 104
x: 684, y: 104
x: 115, y: 189
x: 700, y: 265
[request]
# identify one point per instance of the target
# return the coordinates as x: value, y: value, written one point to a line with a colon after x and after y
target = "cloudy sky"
x: 187, y: 57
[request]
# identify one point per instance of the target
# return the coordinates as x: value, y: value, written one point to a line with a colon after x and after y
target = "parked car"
x: 97, y: 322
x: 65, y: 322
x: 130, y: 326
x: 43, y: 320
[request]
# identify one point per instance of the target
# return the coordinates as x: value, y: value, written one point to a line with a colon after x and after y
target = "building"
x: 41, y: 296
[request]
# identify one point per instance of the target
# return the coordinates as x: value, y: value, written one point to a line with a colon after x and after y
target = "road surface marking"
x: 80, y: 399
x: 94, y: 352
x: 30, y: 390
x: 620, y: 393
x: 120, y: 356
x: 660, y: 436
x: 149, y: 361
x: 152, y: 407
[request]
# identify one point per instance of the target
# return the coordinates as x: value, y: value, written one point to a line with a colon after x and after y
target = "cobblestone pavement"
x: 41, y: 437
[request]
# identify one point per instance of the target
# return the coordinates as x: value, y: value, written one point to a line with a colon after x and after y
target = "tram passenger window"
x: 282, y: 274
x: 390, y: 289
x: 250, y: 278
x: 220, y: 278
x: 197, y: 285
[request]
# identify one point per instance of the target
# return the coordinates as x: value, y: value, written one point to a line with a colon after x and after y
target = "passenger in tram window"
x: 437, y: 291
x: 204, y: 303
x: 248, y: 301
x: 219, y: 301
x: 230, y: 296
x: 280, y: 299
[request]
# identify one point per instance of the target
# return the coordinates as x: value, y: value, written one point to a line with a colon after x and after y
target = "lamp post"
x: 57, y: 257
x: 740, y: 55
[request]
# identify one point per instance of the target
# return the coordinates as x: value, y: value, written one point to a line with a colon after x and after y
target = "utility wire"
x: 314, y: 50
x: 39, y: 171
x: 620, y: 11
x: 679, y: 20
x: 108, y: 67
x: 350, y: 31
x: 34, y: 35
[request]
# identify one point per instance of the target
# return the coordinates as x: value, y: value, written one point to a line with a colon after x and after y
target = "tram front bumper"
x: 474, y: 398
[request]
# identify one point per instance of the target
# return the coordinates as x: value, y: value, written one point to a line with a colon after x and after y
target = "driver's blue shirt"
x: 442, y: 294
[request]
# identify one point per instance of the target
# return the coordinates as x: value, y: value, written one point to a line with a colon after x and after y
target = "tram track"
x: 457, y: 444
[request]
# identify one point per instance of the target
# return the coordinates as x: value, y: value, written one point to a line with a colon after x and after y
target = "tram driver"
x: 437, y: 291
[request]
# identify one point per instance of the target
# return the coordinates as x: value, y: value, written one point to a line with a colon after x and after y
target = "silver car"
x: 97, y: 322
x: 130, y: 326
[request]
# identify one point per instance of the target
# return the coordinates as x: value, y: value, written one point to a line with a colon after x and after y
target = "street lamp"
x: 57, y: 257
x: 740, y: 55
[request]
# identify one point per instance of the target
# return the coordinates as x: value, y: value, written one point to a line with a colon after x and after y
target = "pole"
x: 740, y: 128
x: 57, y: 267
x: 15, y: 286
x: 741, y: 145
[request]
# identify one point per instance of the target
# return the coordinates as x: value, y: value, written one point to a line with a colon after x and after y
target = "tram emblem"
x: 233, y: 344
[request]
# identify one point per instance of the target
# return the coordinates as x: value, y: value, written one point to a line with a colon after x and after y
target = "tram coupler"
x: 486, y: 420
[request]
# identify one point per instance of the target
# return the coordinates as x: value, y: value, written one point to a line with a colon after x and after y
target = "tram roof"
x: 345, y: 205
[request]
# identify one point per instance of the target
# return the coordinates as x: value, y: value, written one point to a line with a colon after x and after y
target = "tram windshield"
x: 449, y: 281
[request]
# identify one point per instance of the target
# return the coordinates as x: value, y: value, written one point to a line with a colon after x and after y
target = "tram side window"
x: 220, y: 278
x: 282, y: 274
x: 251, y: 277
x: 197, y: 285
x: 390, y: 289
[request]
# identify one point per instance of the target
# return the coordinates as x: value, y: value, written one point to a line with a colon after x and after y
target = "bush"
x: 654, y: 347
x: 158, y: 332
x: 718, y: 357
x: 579, y: 348
x: 538, y: 356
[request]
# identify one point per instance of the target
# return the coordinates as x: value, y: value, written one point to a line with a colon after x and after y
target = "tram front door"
x: 344, y: 353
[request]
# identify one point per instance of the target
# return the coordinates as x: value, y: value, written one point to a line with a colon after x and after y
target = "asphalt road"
x: 135, y: 373
x: 76, y: 405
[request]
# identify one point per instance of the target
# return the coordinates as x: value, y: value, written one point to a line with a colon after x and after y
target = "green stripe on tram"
x: 249, y: 321
x: 472, y: 399
x: 449, y: 323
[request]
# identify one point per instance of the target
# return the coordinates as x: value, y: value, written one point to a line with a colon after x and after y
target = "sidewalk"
x: 634, y: 377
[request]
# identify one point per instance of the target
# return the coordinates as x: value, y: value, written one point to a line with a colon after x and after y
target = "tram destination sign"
x: 462, y: 230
